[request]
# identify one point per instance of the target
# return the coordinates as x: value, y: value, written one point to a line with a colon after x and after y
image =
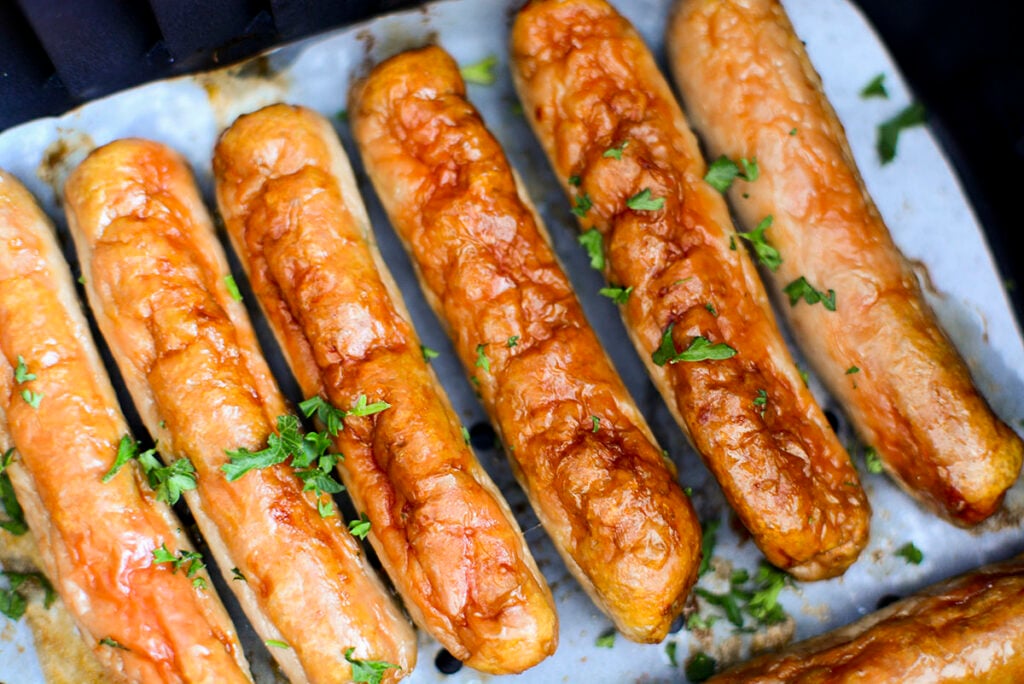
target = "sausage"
x: 589, y: 85
x: 912, y: 397
x: 96, y: 539
x: 576, y: 441
x: 439, y: 525
x: 155, y: 277
x: 968, y: 629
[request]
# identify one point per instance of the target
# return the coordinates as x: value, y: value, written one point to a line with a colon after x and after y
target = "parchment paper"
x: 918, y: 194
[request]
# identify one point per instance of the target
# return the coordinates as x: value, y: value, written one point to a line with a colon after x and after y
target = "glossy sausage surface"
x: 912, y: 397
x: 439, y: 525
x: 96, y: 539
x: 577, y: 442
x: 969, y: 629
x: 589, y: 85
x: 155, y: 277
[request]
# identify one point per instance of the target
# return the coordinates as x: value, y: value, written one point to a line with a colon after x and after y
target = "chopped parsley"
x: 801, y: 289
x: 465, y: 433
x: 723, y: 171
x: 310, y: 460
x: 428, y: 353
x: 31, y: 398
x: 574, y: 181
x: 910, y: 553
x: 889, y: 130
x: 229, y: 281
x: 615, y: 152
x: 593, y: 242
x: 167, y: 481
x: 368, y: 671
x: 113, y: 643
x: 711, y: 309
x: 792, y: 131
x: 512, y: 341
x: 619, y: 295
x: 852, y: 369
x: 696, y: 621
x: 596, y: 420
x: 766, y: 254
x: 642, y: 201
x: 700, y: 349
x: 13, y: 602
x: 342, y: 115
x: 277, y: 643
x: 15, y: 522
x: 761, y: 401
x: 361, y: 527
x: 481, y: 358
x: 670, y: 651
x: 237, y: 576
x: 190, y: 562
x: 333, y: 418
x: 758, y: 600
x: 361, y: 408
x: 582, y: 205
x: 709, y: 536
x: 700, y: 667
x: 872, y: 460
x: 480, y: 73
x: 875, y: 88
x: 127, y: 449
x: 606, y: 639
x: 21, y: 373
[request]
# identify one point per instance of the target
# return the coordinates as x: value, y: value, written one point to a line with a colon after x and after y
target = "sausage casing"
x: 577, y: 442
x: 155, y: 278
x: 969, y: 629
x: 589, y: 85
x: 439, y: 525
x: 96, y: 539
x: 912, y: 397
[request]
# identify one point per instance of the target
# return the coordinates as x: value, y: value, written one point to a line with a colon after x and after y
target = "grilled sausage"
x: 912, y: 399
x: 155, y: 277
x: 96, y: 539
x: 968, y: 629
x: 576, y: 440
x: 589, y: 85
x: 439, y: 525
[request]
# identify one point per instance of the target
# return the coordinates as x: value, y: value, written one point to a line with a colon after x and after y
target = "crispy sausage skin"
x: 589, y: 85
x: 912, y: 398
x: 969, y: 629
x: 439, y: 525
x: 577, y: 442
x: 155, y: 278
x: 96, y: 539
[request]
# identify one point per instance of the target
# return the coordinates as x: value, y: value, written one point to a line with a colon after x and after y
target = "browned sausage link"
x: 155, y: 276
x: 589, y: 84
x: 580, y: 447
x: 439, y: 525
x: 96, y: 539
x: 912, y: 397
x: 969, y: 629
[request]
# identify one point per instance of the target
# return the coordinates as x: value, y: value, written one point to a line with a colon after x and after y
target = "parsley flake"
x: 229, y: 282
x: 15, y: 522
x: 593, y: 242
x: 619, y: 295
x: 709, y: 536
x: 428, y: 353
x: 359, y: 528
x: 332, y: 418
x: 872, y: 460
x: 582, y: 205
x: 31, y: 398
x: 801, y: 289
x: 889, y: 130
x: 700, y: 349
x: 190, y: 562
x: 277, y: 643
x: 875, y: 88
x: 368, y: 671
x: 596, y: 420
x: 512, y: 341
x: 852, y: 369
x: 670, y: 651
x: 21, y: 373
x: 574, y: 181
x: 13, y: 602
x: 615, y: 152
x: 167, y: 481
x: 113, y: 643
x: 361, y: 408
x: 766, y: 254
x: 723, y: 171
x: 606, y: 639
x: 642, y: 201
x: 465, y: 433
x: 481, y: 358
x: 761, y: 401
x: 910, y: 553
x: 480, y: 73
x: 700, y: 667
x: 237, y: 576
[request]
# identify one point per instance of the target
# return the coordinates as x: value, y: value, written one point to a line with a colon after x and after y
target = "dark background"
x: 961, y: 60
